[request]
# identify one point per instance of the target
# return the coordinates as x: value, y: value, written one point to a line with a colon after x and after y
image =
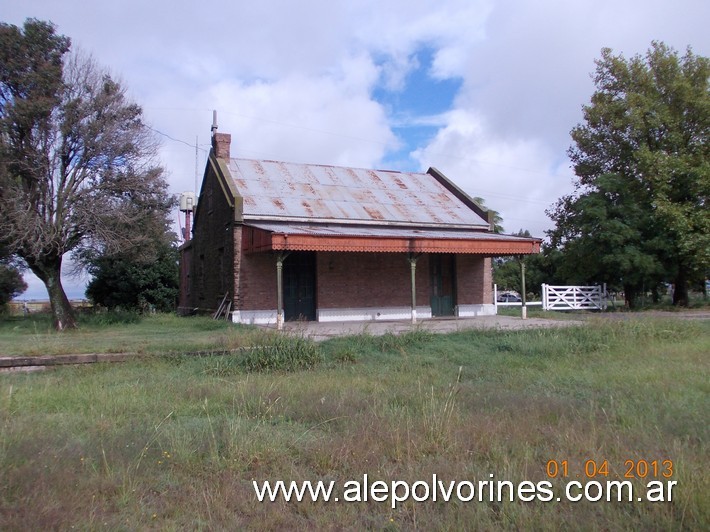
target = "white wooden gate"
x: 573, y: 297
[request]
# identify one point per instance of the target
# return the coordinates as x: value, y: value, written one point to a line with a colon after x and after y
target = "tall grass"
x: 174, y: 443
x: 269, y: 352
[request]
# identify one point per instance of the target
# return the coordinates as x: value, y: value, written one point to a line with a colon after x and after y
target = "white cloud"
x: 519, y: 178
x: 318, y: 120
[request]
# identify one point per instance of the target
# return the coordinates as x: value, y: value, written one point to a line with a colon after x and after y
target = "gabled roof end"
x: 467, y: 200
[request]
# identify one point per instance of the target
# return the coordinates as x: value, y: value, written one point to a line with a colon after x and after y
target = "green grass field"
x: 174, y: 442
x: 119, y: 333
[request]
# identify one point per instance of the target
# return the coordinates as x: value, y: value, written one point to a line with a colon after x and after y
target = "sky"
x: 485, y: 91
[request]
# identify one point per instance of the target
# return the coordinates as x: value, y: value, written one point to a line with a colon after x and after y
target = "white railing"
x: 573, y: 297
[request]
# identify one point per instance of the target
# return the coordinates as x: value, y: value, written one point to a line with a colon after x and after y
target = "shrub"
x: 282, y: 353
x: 271, y: 353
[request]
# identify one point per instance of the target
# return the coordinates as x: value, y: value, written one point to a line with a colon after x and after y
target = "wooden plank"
x: 221, y: 307
x: 58, y: 360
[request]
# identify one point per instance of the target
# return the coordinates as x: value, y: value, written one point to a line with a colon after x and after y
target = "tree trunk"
x: 49, y: 273
x: 680, y: 292
x: 629, y: 297
x: 655, y: 294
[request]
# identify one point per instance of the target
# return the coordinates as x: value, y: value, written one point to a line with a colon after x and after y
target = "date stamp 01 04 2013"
x: 656, y: 474
x: 633, y: 469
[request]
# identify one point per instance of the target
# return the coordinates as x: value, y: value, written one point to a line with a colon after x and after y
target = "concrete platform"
x: 324, y: 330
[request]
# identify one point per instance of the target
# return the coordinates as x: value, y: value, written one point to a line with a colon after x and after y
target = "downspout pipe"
x: 279, y: 290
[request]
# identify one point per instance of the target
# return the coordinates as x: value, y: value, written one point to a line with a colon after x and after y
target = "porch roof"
x: 267, y: 236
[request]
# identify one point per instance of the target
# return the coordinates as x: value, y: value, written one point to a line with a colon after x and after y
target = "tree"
x: 136, y: 283
x: 495, y: 216
x: 11, y: 282
x: 639, y: 214
x: 77, y: 165
x: 610, y: 237
x: 539, y: 268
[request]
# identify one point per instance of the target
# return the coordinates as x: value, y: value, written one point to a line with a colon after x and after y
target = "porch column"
x: 279, y: 290
x: 522, y: 285
x: 412, y: 258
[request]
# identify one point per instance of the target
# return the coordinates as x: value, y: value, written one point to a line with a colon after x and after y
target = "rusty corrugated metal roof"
x: 274, y: 190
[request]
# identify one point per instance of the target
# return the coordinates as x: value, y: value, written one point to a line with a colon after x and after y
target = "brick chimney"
x: 220, y: 145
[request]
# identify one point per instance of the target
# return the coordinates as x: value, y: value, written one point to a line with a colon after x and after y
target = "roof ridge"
x: 322, y: 165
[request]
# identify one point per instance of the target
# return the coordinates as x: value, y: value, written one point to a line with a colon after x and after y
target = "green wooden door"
x: 443, y: 284
x: 299, y: 286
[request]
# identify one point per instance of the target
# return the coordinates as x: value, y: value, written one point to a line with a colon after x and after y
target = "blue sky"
x: 414, y: 107
x: 486, y: 91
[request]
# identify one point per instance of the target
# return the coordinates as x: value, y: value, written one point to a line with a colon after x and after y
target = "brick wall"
x: 488, y: 280
x: 257, y: 281
x: 211, y: 272
x: 220, y: 145
x: 473, y: 280
x: 185, y: 299
x: 362, y: 280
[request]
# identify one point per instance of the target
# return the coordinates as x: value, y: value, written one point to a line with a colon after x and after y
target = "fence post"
x: 544, y: 296
x: 495, y: 296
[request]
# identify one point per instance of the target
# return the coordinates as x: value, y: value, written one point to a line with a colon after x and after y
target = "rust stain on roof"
x: 259, y: 169
x: 332, y: 175
x: 310, y: 176
x: 400, y: 183
x: 399, y: 209
x: 361, y: 195
x: 374, y: 213
x: 353, y: 174
x: 373, y: 175
x: 307, y: 206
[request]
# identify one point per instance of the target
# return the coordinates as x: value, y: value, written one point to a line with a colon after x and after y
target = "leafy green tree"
x: 496, y: 218
x: 539, y: 269
x: 609, y: 236
x: 639, y: 214
x: 77, y: 165
x: 11, y: 282
x: 135, y: 282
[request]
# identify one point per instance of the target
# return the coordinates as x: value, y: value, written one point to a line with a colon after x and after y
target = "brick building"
x: 281, y: 241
